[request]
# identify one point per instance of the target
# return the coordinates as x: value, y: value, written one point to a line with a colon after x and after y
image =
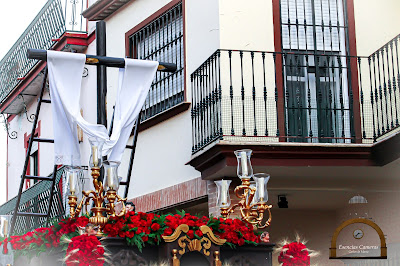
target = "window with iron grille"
x: 162, y: 40
x: 316, y: 76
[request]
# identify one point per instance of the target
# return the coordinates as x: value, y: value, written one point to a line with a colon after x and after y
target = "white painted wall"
x: 246, y: 25
x: 203, y: 34
x: 376, y: 23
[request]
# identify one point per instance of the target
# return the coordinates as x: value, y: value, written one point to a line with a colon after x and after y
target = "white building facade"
x: 311, y: 86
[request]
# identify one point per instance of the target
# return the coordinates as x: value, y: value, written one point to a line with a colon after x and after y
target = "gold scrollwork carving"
x: 182, y: 244
x: 203, y: 244
x: 206, y: 245
x: 181, y: 228
x: 200, y: 245
x: 207, y: 231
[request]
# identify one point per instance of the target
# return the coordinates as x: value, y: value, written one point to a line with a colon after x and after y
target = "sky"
x: 15, y: 16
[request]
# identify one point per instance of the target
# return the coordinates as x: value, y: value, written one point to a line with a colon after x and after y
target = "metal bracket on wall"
x: 32, y: 116
x: 11, y: 135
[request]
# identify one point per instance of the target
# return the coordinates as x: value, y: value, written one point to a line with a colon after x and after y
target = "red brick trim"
x: 91, y: 37
x: 10, y: 118
x: 352, y: 46
x: 276, y: 11
x: 170, y: 196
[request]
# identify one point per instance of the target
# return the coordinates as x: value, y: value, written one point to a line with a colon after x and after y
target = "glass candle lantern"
x: 5, y: 222
x: 261, y: 186
x: 111, y: 179
x: 223, y: 198
x: 244, y: 169
x: 96, y: 152
x: 73, y: 174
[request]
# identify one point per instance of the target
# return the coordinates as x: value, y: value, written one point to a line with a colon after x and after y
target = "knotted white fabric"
x: 65, y: 76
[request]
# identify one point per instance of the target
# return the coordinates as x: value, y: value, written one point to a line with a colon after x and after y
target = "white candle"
x: 260, y: 189
x: 243, y: 159
x: 5, y: 227
x: 72, y: 177
x: 95, y: 157
x: 224, y: 196
x: 110, y: 179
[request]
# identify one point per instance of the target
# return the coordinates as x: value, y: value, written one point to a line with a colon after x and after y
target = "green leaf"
x: 181, y: 213
x: 138, y: 242
x: 231, y: 245
x: 250, y: 242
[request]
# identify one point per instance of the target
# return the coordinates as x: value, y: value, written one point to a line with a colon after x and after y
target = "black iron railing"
x: 294, y: 97
x: 384, y: 94
x: 35, y: 200
x: 50, y: 23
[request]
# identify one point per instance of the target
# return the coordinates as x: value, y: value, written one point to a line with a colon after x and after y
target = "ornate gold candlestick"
x: 72, y: 202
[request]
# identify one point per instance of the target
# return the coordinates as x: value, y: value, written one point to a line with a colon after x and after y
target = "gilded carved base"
x: 207, y: 245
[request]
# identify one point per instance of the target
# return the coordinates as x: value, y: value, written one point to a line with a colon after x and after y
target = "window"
x: 162, y: 40
x: 315, y: 70
x: 317, y: 25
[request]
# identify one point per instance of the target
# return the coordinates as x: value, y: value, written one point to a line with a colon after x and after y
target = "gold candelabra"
x: 97, y: 196
x: 103, y: 205
x: 250, y: 212
x: 252, y: 197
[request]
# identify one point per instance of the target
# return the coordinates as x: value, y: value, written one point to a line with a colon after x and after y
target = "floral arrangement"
x: 44, y: 238
x: 138, y: 229
x: 295, y: 253
x: 84, y: 250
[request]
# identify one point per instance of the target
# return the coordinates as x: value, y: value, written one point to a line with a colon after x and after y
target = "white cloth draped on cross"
x: 65, y: 77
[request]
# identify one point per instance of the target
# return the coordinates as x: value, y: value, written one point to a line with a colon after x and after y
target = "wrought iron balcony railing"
x: 35, y: 200
x: 295, y: 97
x: 53, y: 20
x: 384, y: 88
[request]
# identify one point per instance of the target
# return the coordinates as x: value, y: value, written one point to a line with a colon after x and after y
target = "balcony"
x: 255, y: 97
x: 53, y: 21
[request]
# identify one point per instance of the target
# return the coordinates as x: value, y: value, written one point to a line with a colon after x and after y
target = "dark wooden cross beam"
x: 100, y: 60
